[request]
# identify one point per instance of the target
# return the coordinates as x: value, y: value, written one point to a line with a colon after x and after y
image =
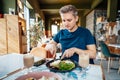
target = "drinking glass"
x: 50, y: 55
x: 28, y: 60
x: 84, y: 63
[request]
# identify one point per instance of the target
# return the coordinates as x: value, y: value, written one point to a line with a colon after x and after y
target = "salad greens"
x: 66, y: 65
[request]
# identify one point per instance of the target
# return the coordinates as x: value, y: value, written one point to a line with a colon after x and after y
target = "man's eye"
x: 63, y: 20
x: 69, y: 20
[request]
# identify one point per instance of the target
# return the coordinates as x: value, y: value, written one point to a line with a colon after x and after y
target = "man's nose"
x: 66, y: 23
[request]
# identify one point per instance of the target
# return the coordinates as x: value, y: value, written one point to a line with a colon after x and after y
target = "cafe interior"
x: 28, y: 25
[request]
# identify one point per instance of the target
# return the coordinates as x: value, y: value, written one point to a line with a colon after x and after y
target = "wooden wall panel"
x: 3, y: 41
x: 13, y: 34
x: 12, y: 40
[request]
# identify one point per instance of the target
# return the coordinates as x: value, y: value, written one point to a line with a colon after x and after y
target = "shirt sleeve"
x: 89, y: 38
x: 56, y: 37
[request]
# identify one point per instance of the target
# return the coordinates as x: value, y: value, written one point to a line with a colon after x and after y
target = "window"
x: 54, y: 29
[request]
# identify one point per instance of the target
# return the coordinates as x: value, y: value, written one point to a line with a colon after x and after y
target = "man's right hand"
x: 51, y: 47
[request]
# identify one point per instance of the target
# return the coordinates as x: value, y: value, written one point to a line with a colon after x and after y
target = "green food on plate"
x: 63, y: 65
x: 66, y: 65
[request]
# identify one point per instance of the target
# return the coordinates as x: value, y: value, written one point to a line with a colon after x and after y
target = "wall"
x: 8, y: 4
x: 1, y: 7
x: 90, y: 21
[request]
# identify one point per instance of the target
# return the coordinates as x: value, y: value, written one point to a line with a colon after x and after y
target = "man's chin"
x: 68, y: 28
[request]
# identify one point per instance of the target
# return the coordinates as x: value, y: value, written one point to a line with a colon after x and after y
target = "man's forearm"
x: 92, y: 53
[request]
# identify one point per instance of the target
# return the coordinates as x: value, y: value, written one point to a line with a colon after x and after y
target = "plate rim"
x: 39, y: 72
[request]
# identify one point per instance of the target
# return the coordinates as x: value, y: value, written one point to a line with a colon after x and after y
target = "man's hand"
x: 51, y: 48
x: 68, y: 53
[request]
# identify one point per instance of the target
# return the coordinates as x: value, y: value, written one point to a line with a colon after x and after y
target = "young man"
x: 74, y: 40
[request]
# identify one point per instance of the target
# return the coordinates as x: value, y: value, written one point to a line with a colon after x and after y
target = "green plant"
x: 36, y: 33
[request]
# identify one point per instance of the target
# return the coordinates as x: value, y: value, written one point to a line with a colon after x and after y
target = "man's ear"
x: 76, y: 18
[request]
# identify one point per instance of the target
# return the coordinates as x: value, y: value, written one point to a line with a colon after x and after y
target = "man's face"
x: 69, y: 21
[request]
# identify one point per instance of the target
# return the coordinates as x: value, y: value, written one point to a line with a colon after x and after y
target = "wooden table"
x: 12, y: 68
x: 114, y: 48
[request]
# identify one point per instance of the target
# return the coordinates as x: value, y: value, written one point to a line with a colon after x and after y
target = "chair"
x: 39, y: 52
x: 106, y: 53
x: 119, y: 70
x: 119, y: 67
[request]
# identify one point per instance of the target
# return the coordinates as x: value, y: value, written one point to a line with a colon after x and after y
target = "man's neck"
x: 74, y: 28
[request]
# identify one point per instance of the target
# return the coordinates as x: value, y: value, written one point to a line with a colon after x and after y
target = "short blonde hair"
x: 69, y: 8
